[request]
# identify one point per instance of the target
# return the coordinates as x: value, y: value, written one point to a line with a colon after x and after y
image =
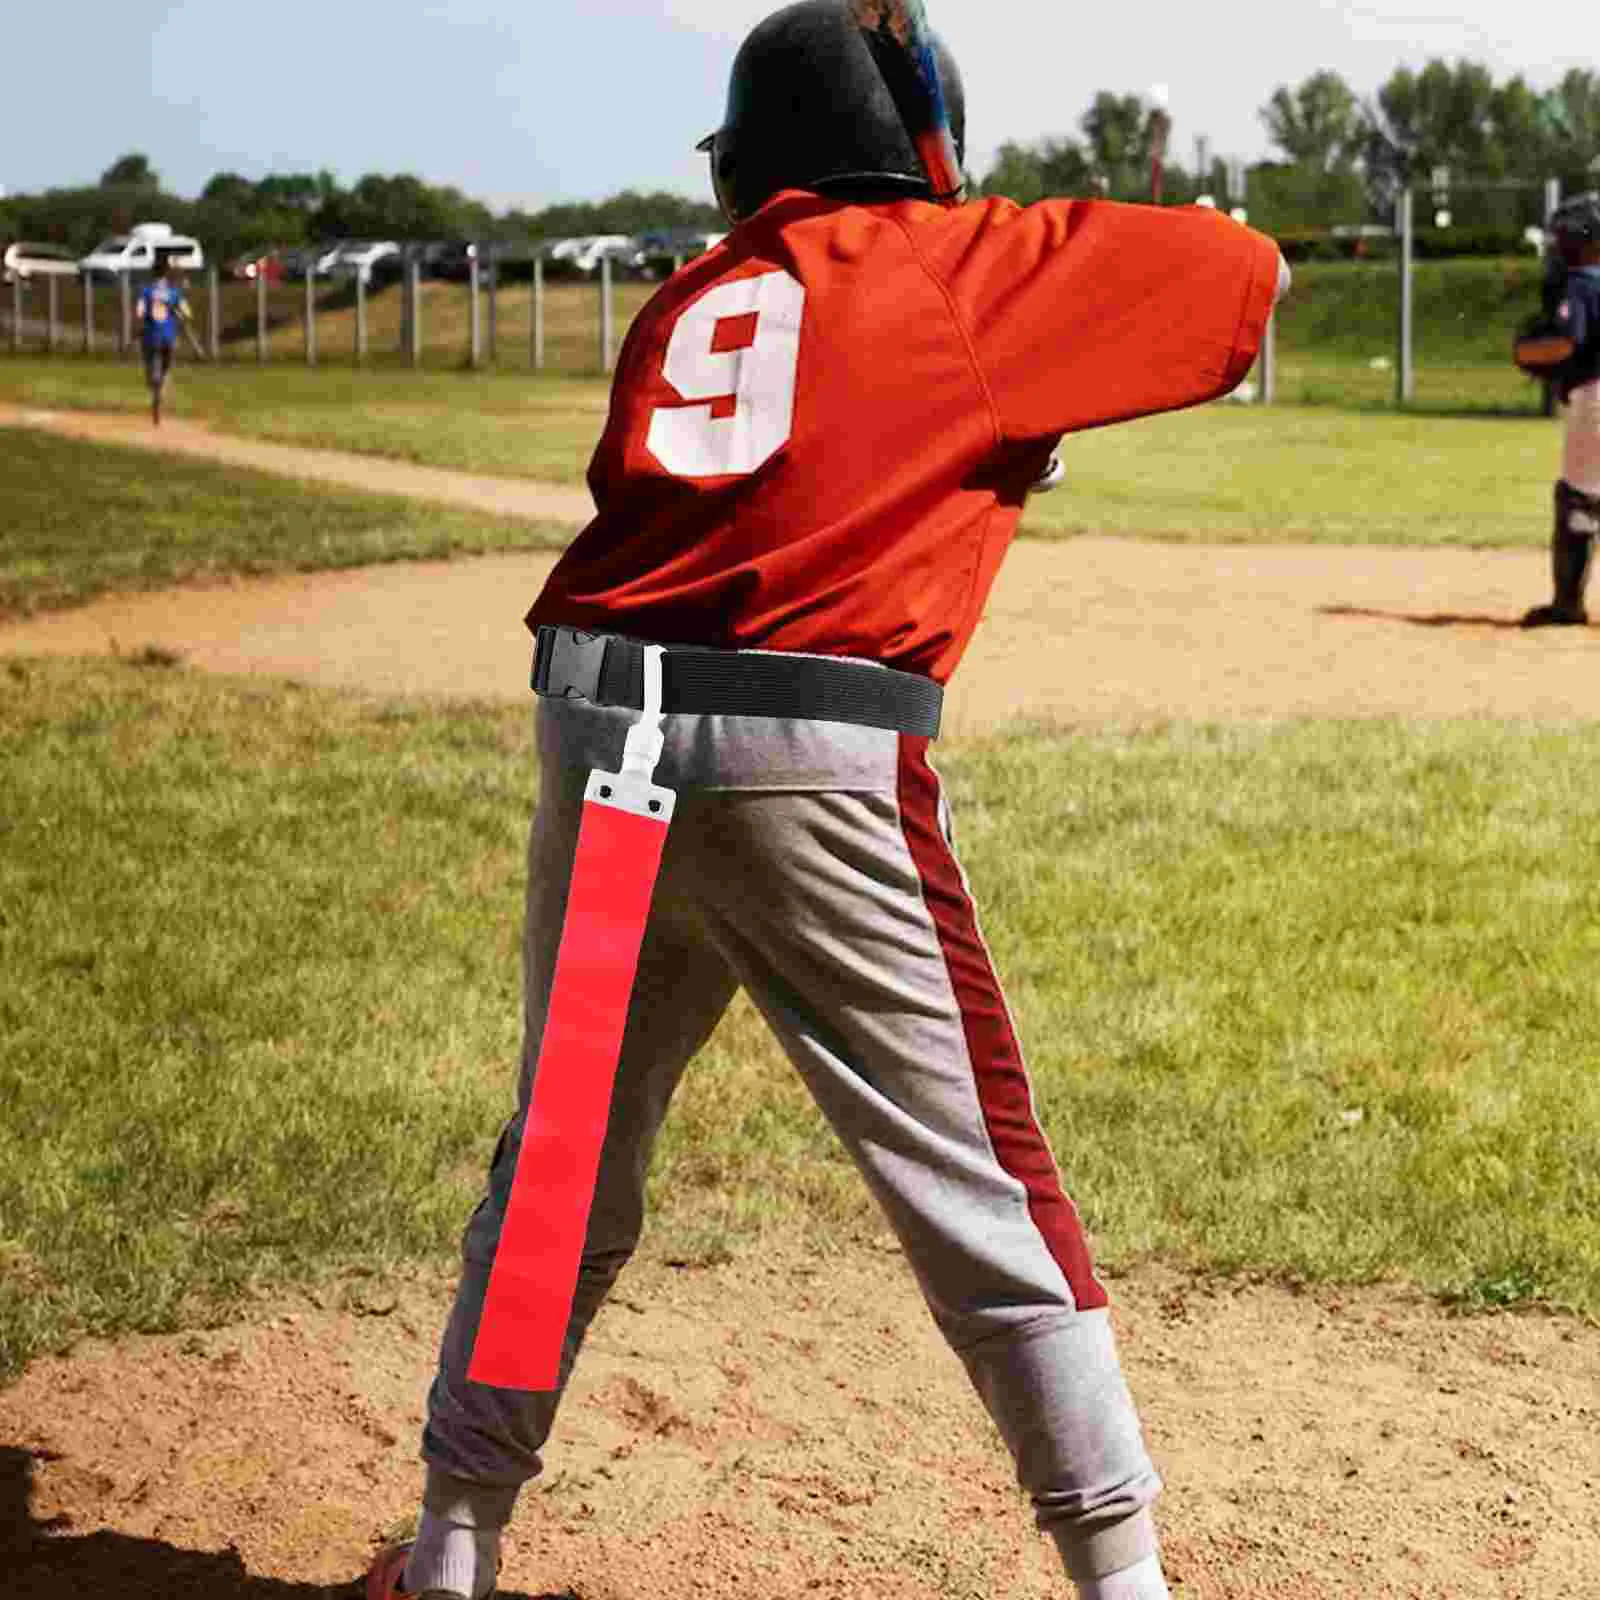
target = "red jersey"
x: 823, y: 431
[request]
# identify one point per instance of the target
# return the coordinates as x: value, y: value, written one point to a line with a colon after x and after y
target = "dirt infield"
x: 779, y: 1427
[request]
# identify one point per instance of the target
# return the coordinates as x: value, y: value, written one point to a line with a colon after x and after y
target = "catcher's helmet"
x: 1574, y: 225
x: 810, y: 107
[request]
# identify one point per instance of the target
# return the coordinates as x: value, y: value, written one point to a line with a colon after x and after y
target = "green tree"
x: 1026, y: 173
x: 298, y: 191
x: 131, y: 171
x: 628, y: 212
x: 1286, y: 195
x: 1117, y: 128
x: 228, y: 188
x: 1442, y: 116
x: 1317, y: 124
x: 1570, y: 116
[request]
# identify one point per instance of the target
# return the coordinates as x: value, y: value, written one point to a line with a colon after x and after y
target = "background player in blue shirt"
x: 1563, y: 347
x: 161, y: 309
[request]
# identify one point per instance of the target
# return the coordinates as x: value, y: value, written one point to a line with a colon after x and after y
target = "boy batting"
x: 821, y: 437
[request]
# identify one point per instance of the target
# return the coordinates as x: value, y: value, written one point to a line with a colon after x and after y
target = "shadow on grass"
x: 44, y: 1560
x: 1428, y: 619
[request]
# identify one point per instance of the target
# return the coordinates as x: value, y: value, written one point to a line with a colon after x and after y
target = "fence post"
x: 125, y: 326
x: 474, y: 310
x: 494, y: 305
x: 1269, y: 361
x: 53, y: 324
x: 538, y: 312
x: 88, y: 312
x: 1552, y: 196
x: 1403, y: 372
x: 214, y: 312
x: 261, y: 314
x: 16, y: 316
x: 605, y: 313
x: 311, y: 318
x: 414, y: 329
x: 361, y: 322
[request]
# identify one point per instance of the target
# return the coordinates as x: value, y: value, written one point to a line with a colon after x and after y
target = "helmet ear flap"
x: 722, y: 164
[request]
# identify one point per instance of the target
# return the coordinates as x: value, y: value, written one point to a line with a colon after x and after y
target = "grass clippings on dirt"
x: 83, y: 519
x: 1309, y: 1000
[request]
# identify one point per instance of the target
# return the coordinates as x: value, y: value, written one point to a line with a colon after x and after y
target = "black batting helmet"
x: 810, y: 107
x: 1574, y: 225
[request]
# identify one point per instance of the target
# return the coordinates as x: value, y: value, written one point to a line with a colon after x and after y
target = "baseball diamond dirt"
x: 776, y: 1426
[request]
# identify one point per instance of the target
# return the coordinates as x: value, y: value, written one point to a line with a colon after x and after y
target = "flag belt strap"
x: 607, y: 669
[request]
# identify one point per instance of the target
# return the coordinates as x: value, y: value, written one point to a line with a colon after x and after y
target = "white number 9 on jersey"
x: 758, y: 377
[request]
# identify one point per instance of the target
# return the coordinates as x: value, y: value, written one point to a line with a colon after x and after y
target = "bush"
x: 1427, y: 244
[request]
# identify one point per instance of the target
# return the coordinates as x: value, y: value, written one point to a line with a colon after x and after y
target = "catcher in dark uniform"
x: 1562, y: 347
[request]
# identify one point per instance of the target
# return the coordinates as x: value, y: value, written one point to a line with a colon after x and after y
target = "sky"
x: 541, y: 101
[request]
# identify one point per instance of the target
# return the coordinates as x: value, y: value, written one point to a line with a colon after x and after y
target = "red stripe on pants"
x: 1001, y: 1077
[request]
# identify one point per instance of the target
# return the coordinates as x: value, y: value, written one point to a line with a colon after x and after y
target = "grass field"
x: 1314, y: 1000
x: 82, y: 519
x: 1224, y: 471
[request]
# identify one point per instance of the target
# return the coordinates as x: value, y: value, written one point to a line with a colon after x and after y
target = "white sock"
x: 446, y: 1555
x: 1142, y: 1581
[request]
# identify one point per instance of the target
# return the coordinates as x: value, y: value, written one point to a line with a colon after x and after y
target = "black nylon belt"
x: 608, y: 670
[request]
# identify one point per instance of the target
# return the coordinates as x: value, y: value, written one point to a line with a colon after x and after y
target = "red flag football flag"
x: 535, y: 1270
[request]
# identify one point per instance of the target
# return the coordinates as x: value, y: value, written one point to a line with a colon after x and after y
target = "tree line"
x: 236, y: 216
x: 1336, y: 157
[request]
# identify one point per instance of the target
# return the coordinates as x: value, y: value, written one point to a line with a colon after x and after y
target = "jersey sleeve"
x: 1087, y: 312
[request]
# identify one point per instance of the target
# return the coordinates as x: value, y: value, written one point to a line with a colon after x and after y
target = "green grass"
x: 1221, y: 472
x: 1314, y: 1000
x: 542, y: 427
x: 82, y: 519
x: 1252, y: 474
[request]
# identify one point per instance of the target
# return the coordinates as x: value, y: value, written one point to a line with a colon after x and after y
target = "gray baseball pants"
x: 811, y: 864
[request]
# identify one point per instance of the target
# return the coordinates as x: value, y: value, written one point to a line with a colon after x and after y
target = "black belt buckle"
x: 568, y: 664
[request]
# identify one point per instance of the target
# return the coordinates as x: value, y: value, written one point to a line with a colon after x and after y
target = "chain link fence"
x: 1415, y: 310
x: 509, y: 310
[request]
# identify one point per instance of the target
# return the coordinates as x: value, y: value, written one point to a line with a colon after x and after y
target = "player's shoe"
x: 389, y: 1568
x: 1556, y: 616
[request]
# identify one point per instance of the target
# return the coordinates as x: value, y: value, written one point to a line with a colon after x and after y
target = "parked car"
x: 654, y: 254
x: 584, y: 255
x: 22, y: 262
x: 367, y: 260
x: 268, y: 264
x: 136, y: 250
x: 297, y: 261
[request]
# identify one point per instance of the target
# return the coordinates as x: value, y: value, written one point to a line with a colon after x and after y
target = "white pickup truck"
x: 136, y: 250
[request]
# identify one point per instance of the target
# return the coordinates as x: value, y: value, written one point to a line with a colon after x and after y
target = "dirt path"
x: 1092, y: 630
x: 775, y: 1428
x: 501, y: 496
